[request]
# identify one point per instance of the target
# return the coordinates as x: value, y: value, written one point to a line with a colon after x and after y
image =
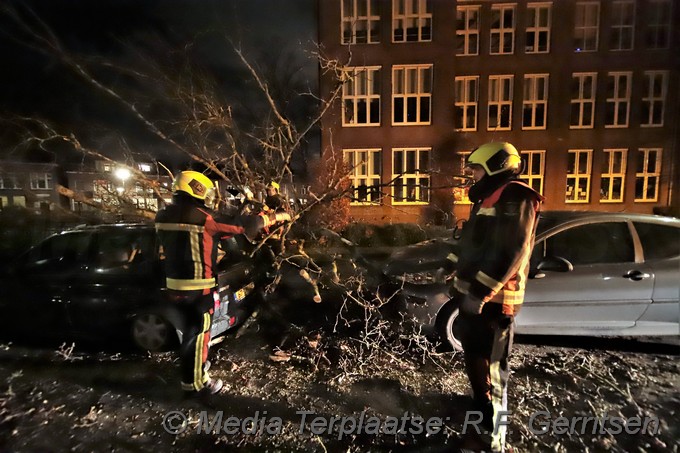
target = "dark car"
x: 107, y: 282
x: 597, y: 274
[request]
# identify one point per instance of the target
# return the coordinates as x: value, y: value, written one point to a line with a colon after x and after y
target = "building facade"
x: 31, y: 186
x: 587, y: 90
x: 35, y: 186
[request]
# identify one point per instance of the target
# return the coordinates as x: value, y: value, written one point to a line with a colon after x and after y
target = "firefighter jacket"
x: 492, y: 259
x: 190, y: 234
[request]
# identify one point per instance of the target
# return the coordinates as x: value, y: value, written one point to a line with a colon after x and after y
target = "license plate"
x: 243, y: 292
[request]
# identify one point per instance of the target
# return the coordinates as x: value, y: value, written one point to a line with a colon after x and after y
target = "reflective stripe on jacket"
x: 190, y: 235
x: 493, y: 258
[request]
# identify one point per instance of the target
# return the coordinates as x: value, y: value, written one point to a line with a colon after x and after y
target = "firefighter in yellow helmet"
x: 492, y: 263
x: 274, y: 201
x: 190, y: 231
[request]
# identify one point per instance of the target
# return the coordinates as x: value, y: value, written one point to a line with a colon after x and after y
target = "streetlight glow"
x: 122, y: 173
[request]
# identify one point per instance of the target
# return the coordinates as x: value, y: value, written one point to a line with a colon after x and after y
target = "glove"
x: 281, y: 217
x: 471, y: 305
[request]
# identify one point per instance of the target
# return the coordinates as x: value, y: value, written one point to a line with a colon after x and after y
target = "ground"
x: 67, y: 399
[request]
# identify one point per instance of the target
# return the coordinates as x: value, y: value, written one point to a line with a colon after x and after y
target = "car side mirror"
x: 555, y: 264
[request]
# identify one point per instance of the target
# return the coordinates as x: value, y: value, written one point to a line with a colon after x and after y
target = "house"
x: 586, y: 90
x: 31, y: 185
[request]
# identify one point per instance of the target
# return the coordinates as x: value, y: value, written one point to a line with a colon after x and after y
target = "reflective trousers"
x: 487, y: 340
x: 198, y: 308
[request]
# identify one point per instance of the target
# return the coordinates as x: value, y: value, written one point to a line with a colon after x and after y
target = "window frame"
x: 501, y: 101
x: 645, y: 175
x: 419, y: 96
x: 615, y: 102
x: 503, y: 30
x: 577, y: 176
x: 586, y: 26
x: 368, y: 19
x: 619, y: 26
x: 418, y: 175
x: 466, y: 33
x: 39, y: 179
x: 659, y: 23
x: 537, y: 29
x: 460, y: 194
x: 528, y: 174
x: 534, y: 104
x: 651, y: 100
x: 350, y: 77
x: 469, y: 101
x: 610, y: 174
x: 371, y: 174
x: 582, y: 100
x: 416, y: 13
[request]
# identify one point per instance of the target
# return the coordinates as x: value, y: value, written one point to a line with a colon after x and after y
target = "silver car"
x: 600, y: 274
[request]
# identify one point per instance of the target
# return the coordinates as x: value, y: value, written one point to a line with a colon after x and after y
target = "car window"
x: 595, y: 243
x: 121, y: 248
x: 62, y: 252
x: 658, y: 241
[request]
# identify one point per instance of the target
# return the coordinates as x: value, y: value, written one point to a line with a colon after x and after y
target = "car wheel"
x: 447, y: 327
x: 151, y: 332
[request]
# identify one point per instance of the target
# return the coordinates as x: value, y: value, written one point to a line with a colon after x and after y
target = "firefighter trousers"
x: 198, y: 309
x: 487, y: 340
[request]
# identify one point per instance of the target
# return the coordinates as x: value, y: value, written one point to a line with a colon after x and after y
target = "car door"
x: 661, y: 249
x: 123, y: 276
x: 37, y: 286
x: 605, y: 291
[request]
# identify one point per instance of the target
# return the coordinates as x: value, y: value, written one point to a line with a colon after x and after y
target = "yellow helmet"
x: 496, y: 157
x: 275, y: 185
x: 197, y: 185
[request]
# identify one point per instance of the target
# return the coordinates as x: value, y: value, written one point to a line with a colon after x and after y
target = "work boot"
x: 212, y: 387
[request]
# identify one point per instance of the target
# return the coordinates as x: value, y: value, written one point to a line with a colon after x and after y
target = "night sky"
x: 32, y: 84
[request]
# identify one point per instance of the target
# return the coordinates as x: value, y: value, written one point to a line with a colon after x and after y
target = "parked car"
x: 107, y: 282
x: 599, y: 274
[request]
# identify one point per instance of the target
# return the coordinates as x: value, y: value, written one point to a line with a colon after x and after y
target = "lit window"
x: 361, y: 97
x: 534, y: 164
x: 617, y: 108
x: 502, y: 29
x: 412, y: 20
x: 467, y: 30
x: 411, y: 175
x: 467, y: 94
x: 41, y: 181
x: 462, y: 185
x: 587, y: 25
x: 538, y: 28
x: 658, y: 32
x: 583, y: 86
x: 648, y: 174
x: 654, y: 101
x: 145, y: 168
x: 364, y: 167
x: 578, y: 176
x: 411, y: 94
x: 623, y: 25
x: 535, y: 103
x: 613, y: 176
x: 500, y: 103
x: 360, y: 20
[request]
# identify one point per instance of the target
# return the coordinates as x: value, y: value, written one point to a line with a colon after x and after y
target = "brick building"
x: 587, y: 91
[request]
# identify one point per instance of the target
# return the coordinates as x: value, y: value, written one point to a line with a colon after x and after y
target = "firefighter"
x: 274, y: 201
x: 190, y: 232
x: 492, y: 263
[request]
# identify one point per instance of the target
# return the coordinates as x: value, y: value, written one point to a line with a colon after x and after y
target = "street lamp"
x: 123, y: 174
